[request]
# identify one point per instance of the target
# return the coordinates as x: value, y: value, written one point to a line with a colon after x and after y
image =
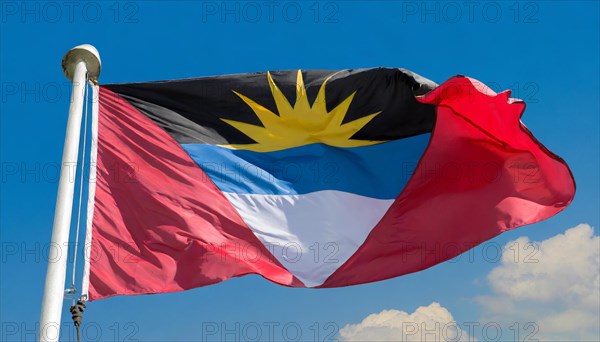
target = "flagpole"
x: 79, y: 64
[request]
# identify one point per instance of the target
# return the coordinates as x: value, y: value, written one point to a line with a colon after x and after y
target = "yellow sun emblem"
x: 300, y: 124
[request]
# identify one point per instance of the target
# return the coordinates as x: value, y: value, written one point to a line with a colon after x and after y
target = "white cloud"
x: 546, y: 291
x: 427, y: 323
x: 554, y: 283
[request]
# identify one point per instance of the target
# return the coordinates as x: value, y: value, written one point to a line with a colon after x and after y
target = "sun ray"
x: 301, y: 104
x: 283, y: 105
x: 356, y: 125
x: 267, y: 117
x: 337, y: 115
x: 255, y: 133
x: 320, y: 103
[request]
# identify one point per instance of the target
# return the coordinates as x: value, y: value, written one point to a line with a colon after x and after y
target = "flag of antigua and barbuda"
x: 309, y: 178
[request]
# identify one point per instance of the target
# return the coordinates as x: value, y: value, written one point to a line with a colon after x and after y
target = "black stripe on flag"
x: 191, y: 110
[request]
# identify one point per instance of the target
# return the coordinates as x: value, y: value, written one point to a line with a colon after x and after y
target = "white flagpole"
x: 79, y: 62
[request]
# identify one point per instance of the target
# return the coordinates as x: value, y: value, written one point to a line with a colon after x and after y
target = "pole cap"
x: 86, y: 53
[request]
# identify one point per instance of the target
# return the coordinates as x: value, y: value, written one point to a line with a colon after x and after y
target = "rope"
x: 85, y: 125
x: 77, y: 308
x: 77, y: 315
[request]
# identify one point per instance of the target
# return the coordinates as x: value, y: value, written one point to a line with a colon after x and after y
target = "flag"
x: 308, y: 178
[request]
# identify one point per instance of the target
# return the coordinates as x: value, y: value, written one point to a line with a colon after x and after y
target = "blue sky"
x: 547, y: 52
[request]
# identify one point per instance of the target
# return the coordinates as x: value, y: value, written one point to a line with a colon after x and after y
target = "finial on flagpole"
x: 86, y: 53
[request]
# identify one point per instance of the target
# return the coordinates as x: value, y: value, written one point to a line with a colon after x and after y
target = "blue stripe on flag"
x: 377, y: 171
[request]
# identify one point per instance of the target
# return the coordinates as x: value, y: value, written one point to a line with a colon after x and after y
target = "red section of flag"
x: 483, y: 173
x: 160, y: 224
